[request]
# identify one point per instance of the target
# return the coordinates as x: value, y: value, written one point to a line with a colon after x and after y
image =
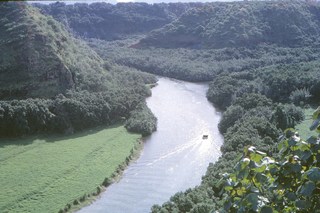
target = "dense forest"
x: 111, y: 22
x: 261, y: 59
x: 242, y: 24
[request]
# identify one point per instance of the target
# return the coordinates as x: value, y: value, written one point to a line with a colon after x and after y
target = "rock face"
x: 38, y: 57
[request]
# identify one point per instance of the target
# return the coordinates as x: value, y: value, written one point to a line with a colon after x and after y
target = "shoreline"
x: 135, y: 153
x: 88, y: 198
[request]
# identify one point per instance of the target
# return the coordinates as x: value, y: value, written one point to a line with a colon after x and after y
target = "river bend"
x: 174, y: 158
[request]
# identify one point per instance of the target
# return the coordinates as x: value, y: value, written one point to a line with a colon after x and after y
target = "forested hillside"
x: 64, y: 84
x: 39, y: 58
x: 235, y: 24
x: 110, y: 22
x: 203, y: 64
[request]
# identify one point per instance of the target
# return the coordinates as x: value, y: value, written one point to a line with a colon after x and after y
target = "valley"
x: 70, y: 68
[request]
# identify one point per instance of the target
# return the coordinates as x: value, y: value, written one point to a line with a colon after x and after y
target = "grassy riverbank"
x: 44, y: 174
x: 303, y: 127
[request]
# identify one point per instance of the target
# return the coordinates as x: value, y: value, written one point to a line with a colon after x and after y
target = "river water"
x: 174, y: 158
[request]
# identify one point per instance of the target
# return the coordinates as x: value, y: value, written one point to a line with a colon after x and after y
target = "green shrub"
x: 230, y: 116
x: 107, y: 182
x: 75, y: 202
x: 141, y: 120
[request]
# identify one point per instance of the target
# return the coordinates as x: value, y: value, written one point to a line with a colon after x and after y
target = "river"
x: 175, y: 157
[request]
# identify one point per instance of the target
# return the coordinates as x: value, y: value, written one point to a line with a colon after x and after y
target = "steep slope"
x: 64, y: 85
x: 219, y: 25
x: 39, y: 58
x: 110, y: 22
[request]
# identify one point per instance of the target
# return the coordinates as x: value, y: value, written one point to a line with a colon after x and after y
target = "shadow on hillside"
x: 86, y: 132
x: 51, y: 138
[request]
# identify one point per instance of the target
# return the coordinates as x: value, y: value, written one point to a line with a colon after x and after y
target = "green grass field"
x: 43, y: 175
x: 303, y: 127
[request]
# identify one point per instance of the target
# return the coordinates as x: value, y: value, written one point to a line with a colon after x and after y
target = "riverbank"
x: 303, y: 128
x: 115, y: 177
x: 58, y: 170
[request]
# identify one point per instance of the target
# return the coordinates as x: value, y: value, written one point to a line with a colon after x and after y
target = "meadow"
x: 43, y: 174
x: 303, y: 127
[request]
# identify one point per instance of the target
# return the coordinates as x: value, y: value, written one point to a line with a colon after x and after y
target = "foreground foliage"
x: 287, y: 183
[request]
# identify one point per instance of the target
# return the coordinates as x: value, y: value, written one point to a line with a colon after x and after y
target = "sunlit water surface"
x: 175, y: 157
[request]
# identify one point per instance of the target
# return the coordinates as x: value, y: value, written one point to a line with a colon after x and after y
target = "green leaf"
x: 266, y: 209
x: 305, y: 155
x: 252, y: 199
x: 313, y: 174
x: 312, y: 140
x: 228, y: 188
x: 227, y: 205
x: 260, y: 169
x: 262, y: 178
x: 302, y: 204
x: 316, y: 114
x: 273, y: 169
x: 256, y: 157
x: 293, y: 141
x: 291, y: 196
x: 289, y: 132
x: 307, y: 188
x: 245, y: 162
x: 283, y: 146
x: 241, y: 191
x: 315, y: 124
x: 303, y: 146
x: 295, y: 167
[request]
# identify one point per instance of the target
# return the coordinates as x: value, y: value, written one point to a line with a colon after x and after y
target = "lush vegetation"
x: 50, y: 83
x: 256, y: 86
x: 251, y: 120
x: 257, y: 100
x: 43, y: 174
x: 281, y: 83
x: 73, y: 111
x: 262, y: 59
x: 288, y: 183
x: 219, y: 25
x: 142, y: 121
x: 200, y: 65
x: 110, y: 22
x: 41, y: 60
x: 253, y: 116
